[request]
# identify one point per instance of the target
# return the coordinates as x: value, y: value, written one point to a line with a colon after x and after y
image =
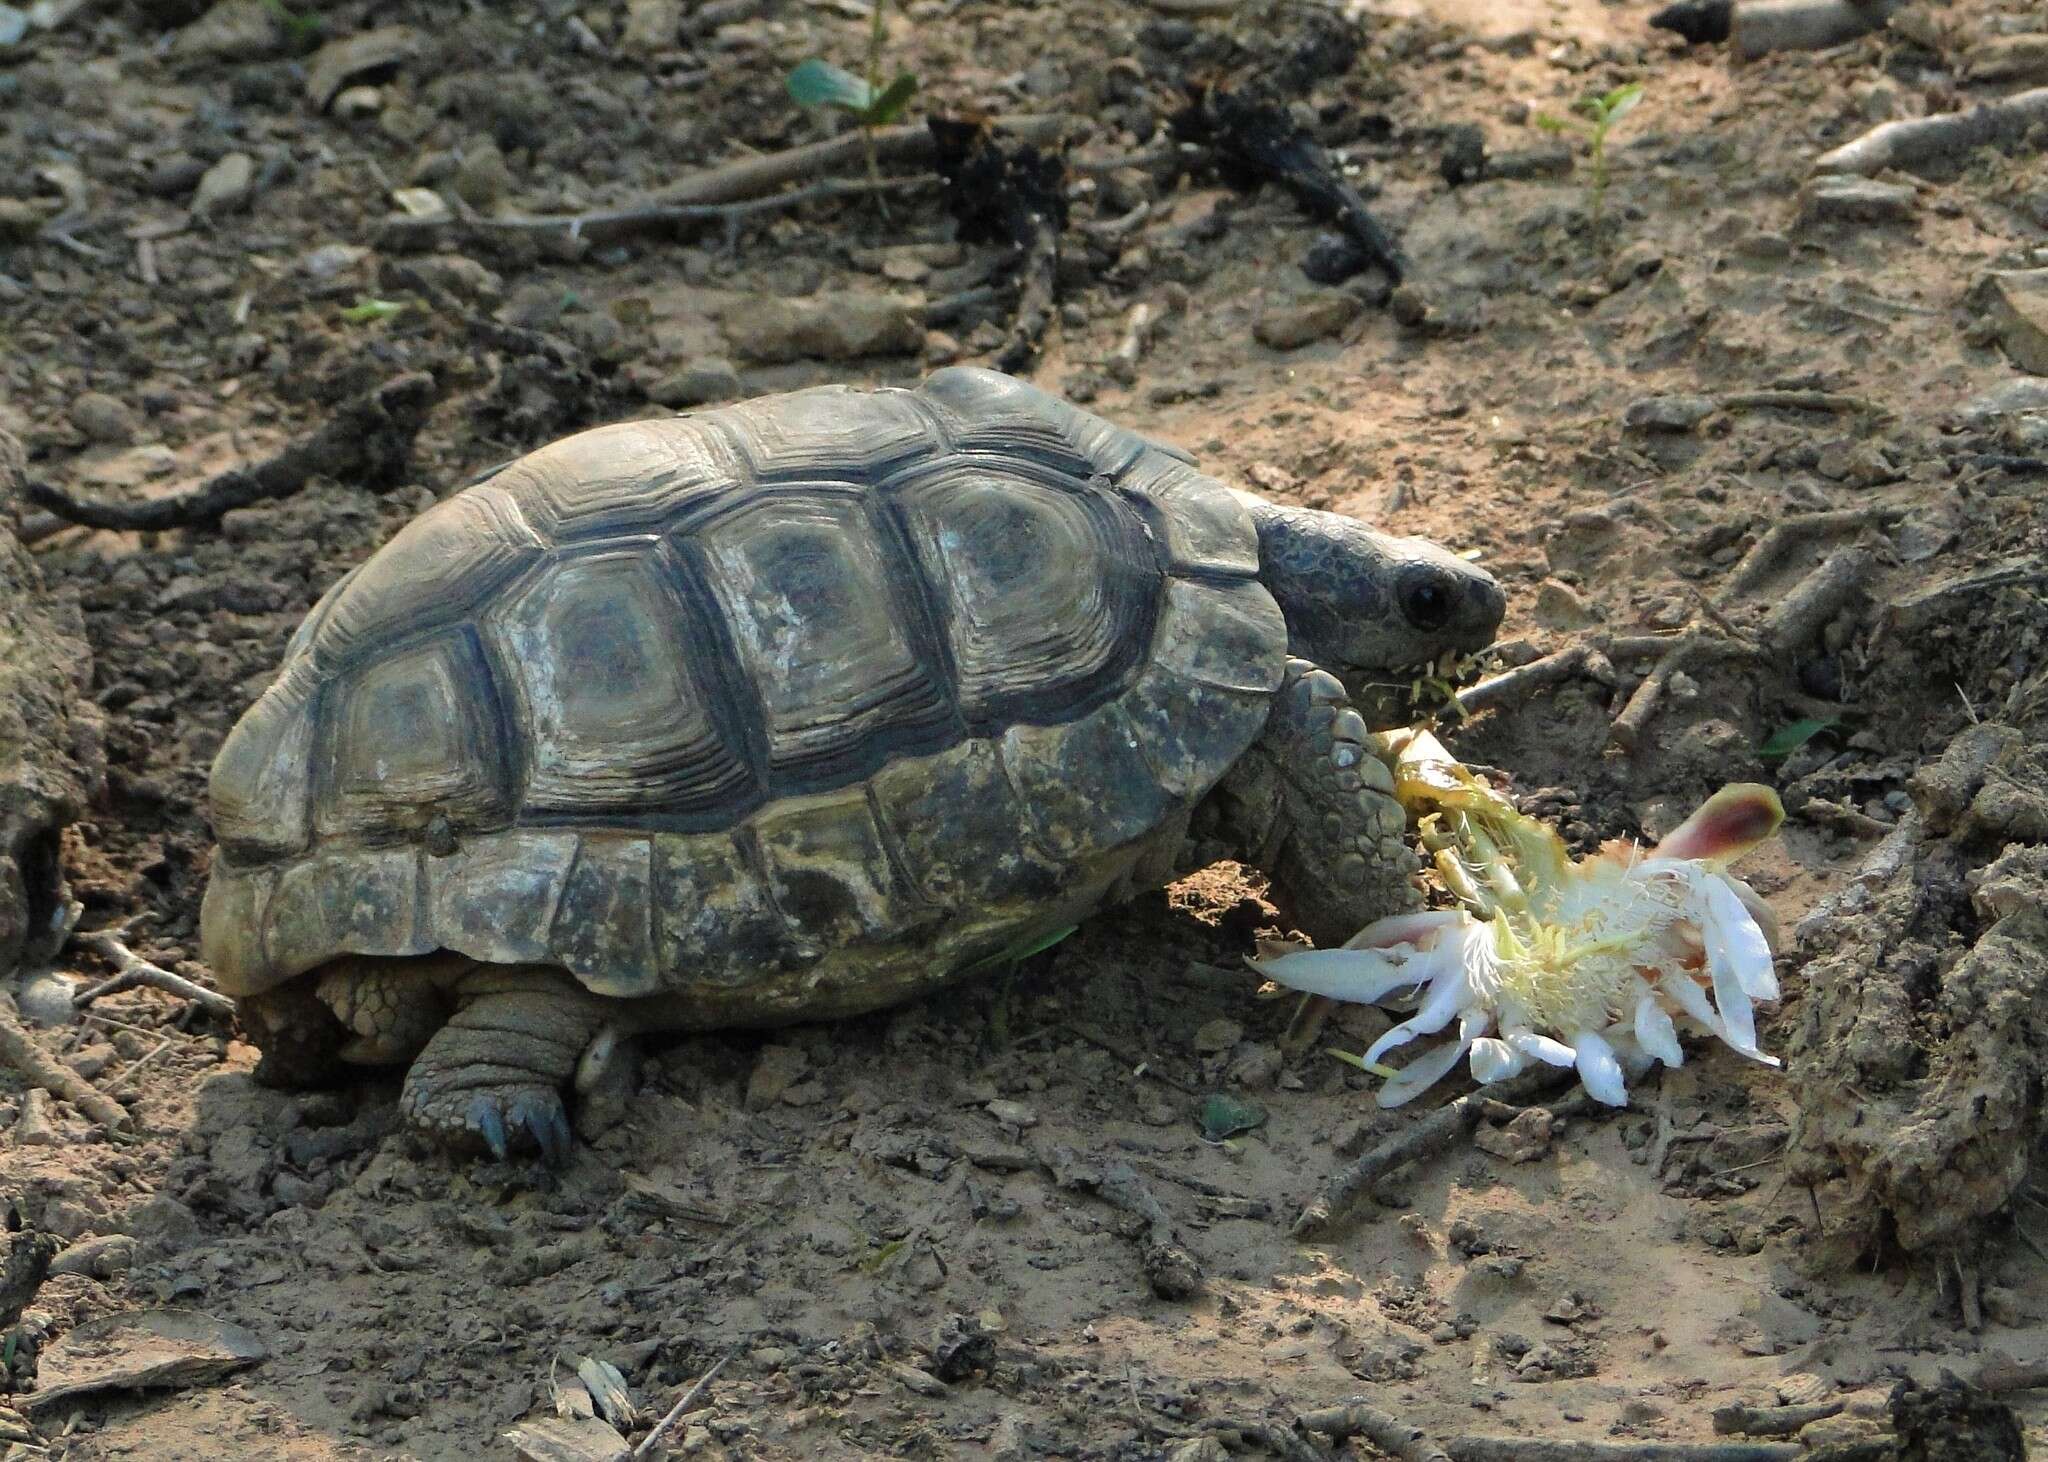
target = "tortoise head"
x: 1374, y: 610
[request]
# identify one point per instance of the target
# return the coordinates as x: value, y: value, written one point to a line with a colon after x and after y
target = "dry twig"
x: 1919, y: 141
x: 677, y: 1412
x: 1526, y: 1449
x: 131, y: 970
x: 1446, y: 1125
x: 368, y: 440
x: 1772, y: 1421
x: 1359, y: 1418
x: 20, y: 1050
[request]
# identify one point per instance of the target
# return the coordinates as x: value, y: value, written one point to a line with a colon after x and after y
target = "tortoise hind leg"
x: 493, y: 1075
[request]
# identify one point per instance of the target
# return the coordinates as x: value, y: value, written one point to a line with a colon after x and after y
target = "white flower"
x: 1590, y: 964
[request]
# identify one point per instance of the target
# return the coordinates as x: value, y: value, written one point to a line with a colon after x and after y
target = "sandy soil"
x: 827, y: 1202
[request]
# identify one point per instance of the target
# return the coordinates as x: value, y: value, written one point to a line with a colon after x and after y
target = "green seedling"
x: 301, y: 30
x: 1602, y: 112
x: 819, y: 83
x: 369, y: 311
x: 1788, y: 739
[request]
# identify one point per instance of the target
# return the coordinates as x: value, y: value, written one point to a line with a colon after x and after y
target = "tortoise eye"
x: 1427, y: 603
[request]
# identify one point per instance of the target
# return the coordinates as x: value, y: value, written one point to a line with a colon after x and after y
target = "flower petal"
x: 1691, y: 999
x: 1733, y: 938
x: 1541, y: 1048
x: 1599, y: 1071
x: 1420, y: 1074
x: 1733, y: 1003
x: 1655, y: 1033
x: 1446, y: 997
x: 1730, y: 823
x: 1365, y: 976
x: 1495, y: 1060
x: 1406, y: 928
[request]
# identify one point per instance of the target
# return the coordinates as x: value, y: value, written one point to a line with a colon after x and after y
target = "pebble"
x: 1561, y: 607
x: 1677, y: 413
x: 1217, y: 1035
x: 45, y: 999
x: 106, y: 1257
x: 1837, y: 199
x: 1524, y: 1139
x: 844, y: 327
x: 173, y: 175
x: 775, y: 1071
x: 1638, y: 261
x: 1012, y: 1114
x: 1306, y: 320
x: 103, y: 419
x: 234, y: 30
x: 226, y: 186
x: 2016, y: 303
x: 458, y: 274
x: 482, y: 180
x: 651, y: 25
x: 89, y: 1061
x: 699, y: 383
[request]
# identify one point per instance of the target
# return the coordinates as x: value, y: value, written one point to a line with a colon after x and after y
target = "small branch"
x: 1801, y: 615
x: 1772, y: 1421
x: 132, y: 970
x: 677, y: 1412
x: 2000, y: 1374
x: 1524, y: 681
x: 1762, y: 561
x: 1358, y: 1418
x: 20, y: 1050
x: 1914, y: 144
x: 1835, y: 402
x: 1446, y: 1125
x: 1525, y: 1449
x: 1173, y: 1272
x: 1687, y: 650
x: 368, y: 440
x: 1759, y: 27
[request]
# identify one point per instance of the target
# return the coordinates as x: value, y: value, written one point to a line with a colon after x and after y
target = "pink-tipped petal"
x: 1656, y: 1034
x: 1363, y: 976
x: 1733, y: 938
x: 1494, y: 1060
x: 1420, y: 1074
x: 1599, y: 1071
x: 1730, y: 823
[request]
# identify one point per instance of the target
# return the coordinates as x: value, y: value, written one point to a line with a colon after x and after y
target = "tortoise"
x: 787, y: 711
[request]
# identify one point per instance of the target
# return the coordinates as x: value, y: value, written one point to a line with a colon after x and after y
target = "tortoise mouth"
x: 1401, y: 697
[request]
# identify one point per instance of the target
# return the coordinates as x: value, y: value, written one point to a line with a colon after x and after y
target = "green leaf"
x: 1551, y: 124
x: 1224, y: 1116
x: 887, y: 107
x: 819, y: 83
x: 1619, y: 102
x: 1788, y: 739
x: 364, y: 312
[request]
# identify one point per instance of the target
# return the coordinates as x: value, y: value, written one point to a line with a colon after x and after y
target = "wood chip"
x: 147, y: 1350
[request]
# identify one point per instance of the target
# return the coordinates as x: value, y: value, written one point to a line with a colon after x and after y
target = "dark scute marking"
x: 624, y: 703
x: 1193, y: 732
x: 715, y: 919
x: 831, y: 875
x: 831, y: 654
x: 1086, y: 786
x: 433, y: 573
x: 959, y: 831
x: 1046, y: 587
x: 362, y: 901
x: 415, y: 734
x: 631, y: 476
x: 603, y: 929
x: 828, y: 432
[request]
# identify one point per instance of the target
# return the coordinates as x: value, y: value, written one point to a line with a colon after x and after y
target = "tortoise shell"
x: 695, y: 704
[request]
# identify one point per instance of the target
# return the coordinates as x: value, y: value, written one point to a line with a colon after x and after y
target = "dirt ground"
x: 838, y: 1206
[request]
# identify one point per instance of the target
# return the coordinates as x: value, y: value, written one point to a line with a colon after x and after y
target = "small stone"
x: 89, y: 1061
x: 844, y: 327
x: 356, y: 102
x: 234, y: 30
x: 1257, y: 1065
x: 107, y: 1257
x: 776, y: 1070
x: 1561, y: 607
x: 998, y: 1157
x: 1638, y: 261
x: 1638, y: 1412
x: 804, y: 1094
x: 924, y: 1383
x: 699, y: 383
x: 358, y: 56
x: 331, y: 259
x: 1306, y: 320
x: 103, y: 419
x: 44, y: 998
x: 34, y: 1127
x: 173, y: 175
x: 2016, y: 303
x: 652, y: 25
x: 226, y: 186
x: 1220, y: 1034
x: 482, y: 179
x: 1012, y: 1114
x: 1840, y: 199
x: 1667, y: 413
x: 458, y: 274
x: 1524, y: 1139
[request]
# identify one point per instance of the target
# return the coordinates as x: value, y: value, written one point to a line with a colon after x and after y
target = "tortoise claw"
x: 489, y: 1122
x: 541, y: 1116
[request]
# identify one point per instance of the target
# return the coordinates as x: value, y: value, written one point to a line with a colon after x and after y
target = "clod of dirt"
x: 1954, y: 1422
x: 572, y: 1439
x: 1524, y: 1139
x: 149, y: 1350
x: 51, y: 761
x: 961, y: 1347
x: 1924, y: 1045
